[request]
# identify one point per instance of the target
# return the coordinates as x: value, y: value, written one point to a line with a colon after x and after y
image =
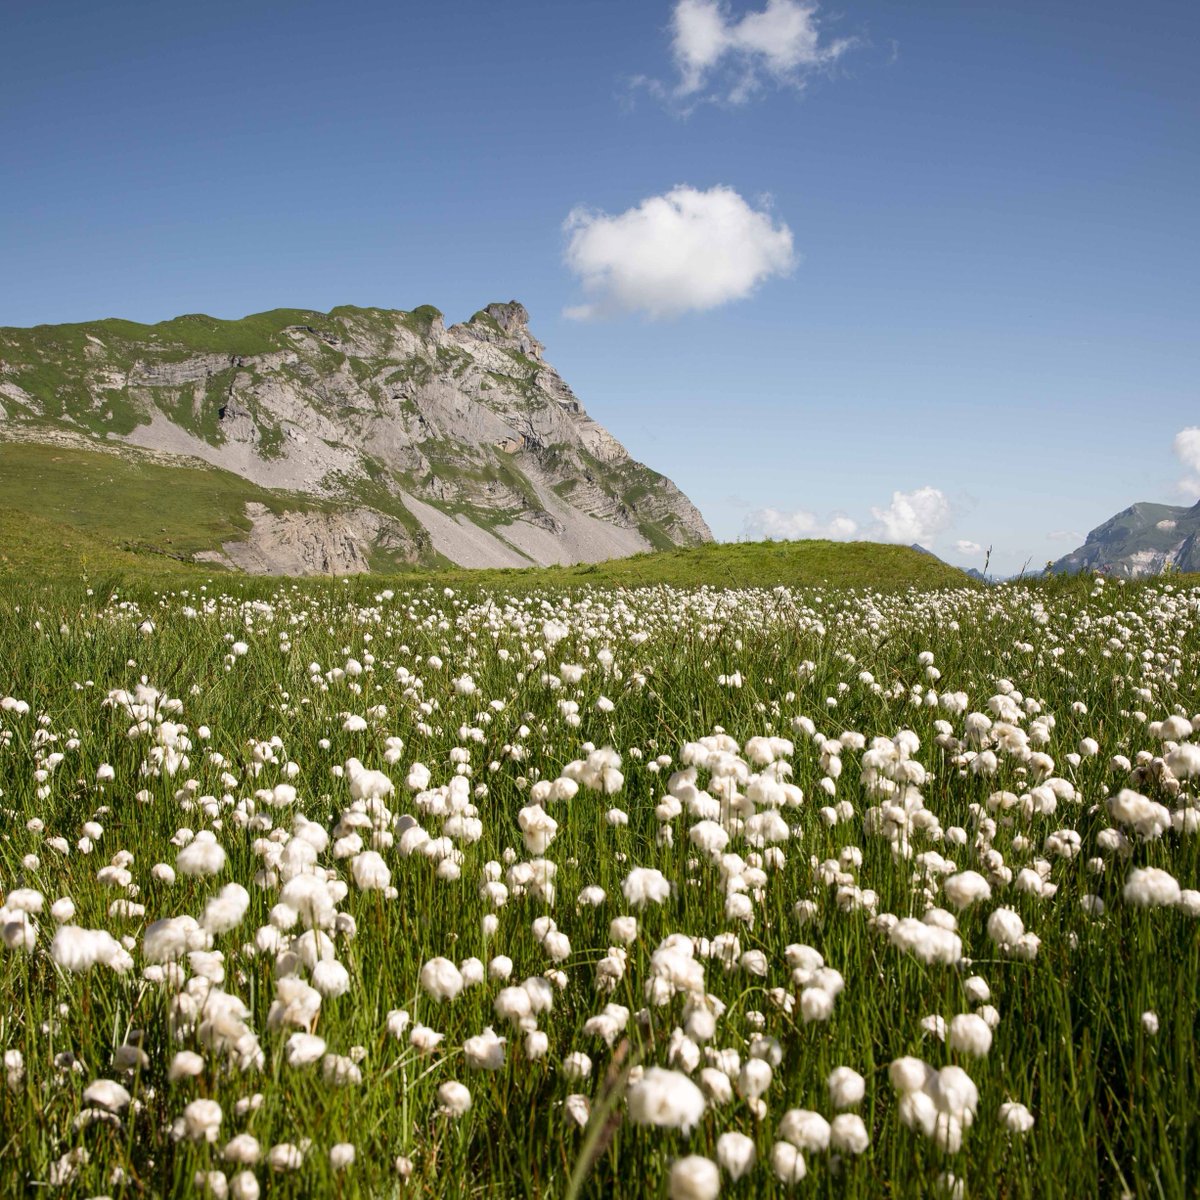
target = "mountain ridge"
x: 1144, y: 539
x: 457, y: 444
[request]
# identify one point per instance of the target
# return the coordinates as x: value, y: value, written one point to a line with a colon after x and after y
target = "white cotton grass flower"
x: 804, y: 1129
x: 441, y: 979
x: 370, y: 872
x: 645, y: 885
x: 977, y: 989
x: 577, y: 1065
x: 939, y: 1104
x: 201, y: 1121
x: 665, y: 1098
x: 816, y: 1004
x: 340, y: 1070
x: 717, y: 1085
x: 424, y: 1040
x: 846, y: 1087
x: 108, y: 1095
x: 284, y: 1157
x: 1147, y: 818
x: 202, y: 856
x: 295, y: 1004
x: 538, y: 828
x: 694, y: 1178
x: 304, y: 1049
x: 1184, y: 761
x: 79, y: 950
x: 513, y: 1004
x: 341, y: 1156
x: 244, y: 1149
x: 453, y: 1099
x: 848, y: 1134
x: 485, y: 1051
x: 578, y: 1109
x: 1151, y: 887
x: 1005, y: 927
x: 623, y: 930
x: 966, y: 888
x: 244, y: 1186
x: 330, y: 978
x: 788, y: 1164
x: 27, y: 900
x: 970, y: 1034
x: 736, y: 1154
x: 926, y: 941
x: 226, y: 910
x: 186, y: 1064
x: 1150, y: 1023
x: 1015, y: 1118
x: 754, y: 1078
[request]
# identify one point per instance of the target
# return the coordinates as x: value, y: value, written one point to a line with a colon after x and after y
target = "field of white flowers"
x: 416, y: 892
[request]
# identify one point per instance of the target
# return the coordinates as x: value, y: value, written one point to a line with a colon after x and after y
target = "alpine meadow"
x: 599, y: 600
x: 419, y: 890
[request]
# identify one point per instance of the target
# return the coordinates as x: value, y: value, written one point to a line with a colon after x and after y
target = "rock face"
x: 412, y: 441
x: 1144, y: 539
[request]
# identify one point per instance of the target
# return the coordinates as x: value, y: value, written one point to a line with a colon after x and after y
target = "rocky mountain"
x: 1144, y: 539
x: 383, y: 437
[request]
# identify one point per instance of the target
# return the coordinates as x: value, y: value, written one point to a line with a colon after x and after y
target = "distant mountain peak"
x: 510, y: 316
x: 387, y: 434
x: 1144, y: 539
x: 505, y: 324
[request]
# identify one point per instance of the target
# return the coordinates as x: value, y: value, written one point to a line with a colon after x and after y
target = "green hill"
x: 808, y: 563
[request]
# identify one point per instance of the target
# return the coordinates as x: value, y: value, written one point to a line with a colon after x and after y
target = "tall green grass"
x: 1116, y: 1109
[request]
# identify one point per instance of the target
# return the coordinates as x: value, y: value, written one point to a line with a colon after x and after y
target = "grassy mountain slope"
x: 62, y: 507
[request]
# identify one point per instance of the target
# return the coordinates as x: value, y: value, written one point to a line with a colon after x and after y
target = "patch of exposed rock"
x: 312, y: 543
x: 466, y: 428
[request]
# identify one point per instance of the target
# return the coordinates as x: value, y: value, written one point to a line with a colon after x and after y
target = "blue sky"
x: 992, y: 296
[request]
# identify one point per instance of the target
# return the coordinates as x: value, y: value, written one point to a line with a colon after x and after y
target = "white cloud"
x: 1065, y: 535
x: 912, y: 517
x: 917, y: 516
x: 772, y: 525
x: 965, y: 547
x: 1187, y: 450
x: 729, y: 57
x: 684, y: 251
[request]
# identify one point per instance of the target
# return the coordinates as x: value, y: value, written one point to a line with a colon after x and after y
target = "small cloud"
x: 1065, y: 535
x: 1187, y: 449
x: 965, y: 547
x: 685, y: 251
x: 913, y: 517
x: 771, y: 525
x: 723, y: 57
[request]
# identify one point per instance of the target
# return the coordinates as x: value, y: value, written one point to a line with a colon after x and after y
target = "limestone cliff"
x: 415, y: 442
